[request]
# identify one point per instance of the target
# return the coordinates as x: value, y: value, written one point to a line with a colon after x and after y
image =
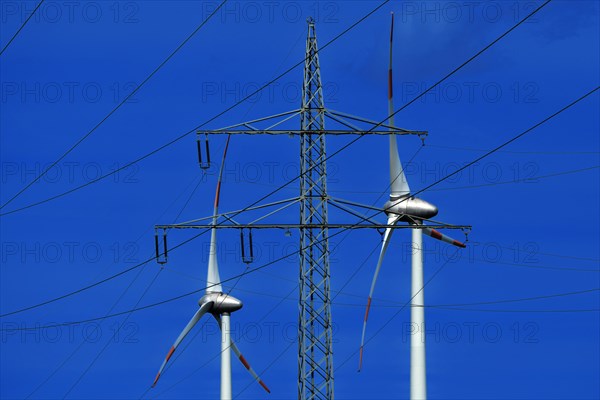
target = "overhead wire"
x: 150, y: 259
x: 354, y: 141
x: 487, y: 154
x: 123, y: 293
x: 231, y: 288
x: 21, y: 27
x: 173, y: 141
x: 499, y: 262
x: 178, y: 138
x: 551, y: 116
x: 261, y: 319
x: 81, y: 344
x: 125, y: 99
x: 112, y: 276
x: 531, y: 152
x: 440, y: 180
x: 337, y: 293
x: 111, y: 339
x: 532, y: 179
x: 418, y: 192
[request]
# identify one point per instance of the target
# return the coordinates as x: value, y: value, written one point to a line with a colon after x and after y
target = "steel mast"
x: 315, y: 351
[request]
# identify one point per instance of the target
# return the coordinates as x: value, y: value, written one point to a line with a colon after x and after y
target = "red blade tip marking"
x: 368, y: 308
x: 217, y: 194
x: 436, y: 235
x: 170, y: 353
x: 360, y: 358
x: 156, y: 379
x: 264, y: 386
x: 243, y: 360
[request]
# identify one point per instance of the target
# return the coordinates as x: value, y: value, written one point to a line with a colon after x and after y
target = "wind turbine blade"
x: 444, y: 238
x: 243, y: 360
x: 213, y: 279
x: 398, y: 183
x: 386, y: 241
x: 203, y: 310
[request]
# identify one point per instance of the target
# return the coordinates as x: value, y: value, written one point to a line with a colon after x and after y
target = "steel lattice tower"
x: 315, y: 353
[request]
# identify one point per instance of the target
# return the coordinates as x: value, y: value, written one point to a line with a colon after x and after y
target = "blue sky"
x: 538, y: 236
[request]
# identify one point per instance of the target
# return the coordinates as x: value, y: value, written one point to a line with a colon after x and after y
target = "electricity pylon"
x: 315, y: 351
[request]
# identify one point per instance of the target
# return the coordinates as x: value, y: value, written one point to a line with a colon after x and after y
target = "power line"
x: 577, y: 310
x: 563, y: 311
x: 129, y: 314
x: 431, y: 278
x: 334, y: 297
x: 437, y: 182
x: 391, y: 318
x: 535, y: 266
x: 456, y: 306
x: 123, y: 293
x: 230, y: 288
x: 461, y: 309
x: 533, y: 179
x: 448, y: 75
x: 76, y: 350
x: 146, y: 290
x: 546, y: 153
x: 139, y: 265
x: 163, y: 301
x: 177, y: 139
x: 530, y: 265
x: 133, y: 92
x: 282, y: 299
x: 354, y: 141
x: 418, y: 192
x: 491, y: 152
x: 90, y: 286
x: 441, y: 180
x: 335, y: 153
x: 341, y: 292
x: 173, y: 141
x: 76, y: 291
x: 339, y: 150
x: 487, y: 154
x: 219, y: 353
x: 21, y: 27
x: 517, y: 300
x: 261, y: 319
x: 596, y: 260
x: 110, y: 340
x: 520, y: 135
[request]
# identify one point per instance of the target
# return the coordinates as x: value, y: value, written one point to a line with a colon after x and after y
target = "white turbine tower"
x: 406, y: 208
x: 220, y: 305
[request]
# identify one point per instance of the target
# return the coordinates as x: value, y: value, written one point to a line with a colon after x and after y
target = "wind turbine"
x: 402, y: 207
x: 220, y: 305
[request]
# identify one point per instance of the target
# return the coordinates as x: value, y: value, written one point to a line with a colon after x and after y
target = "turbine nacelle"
x: 222, y: 303
x: 409, y: 208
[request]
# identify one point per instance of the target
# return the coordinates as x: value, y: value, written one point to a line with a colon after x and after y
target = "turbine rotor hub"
x: 222, y: 302
x: 407, y: 207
